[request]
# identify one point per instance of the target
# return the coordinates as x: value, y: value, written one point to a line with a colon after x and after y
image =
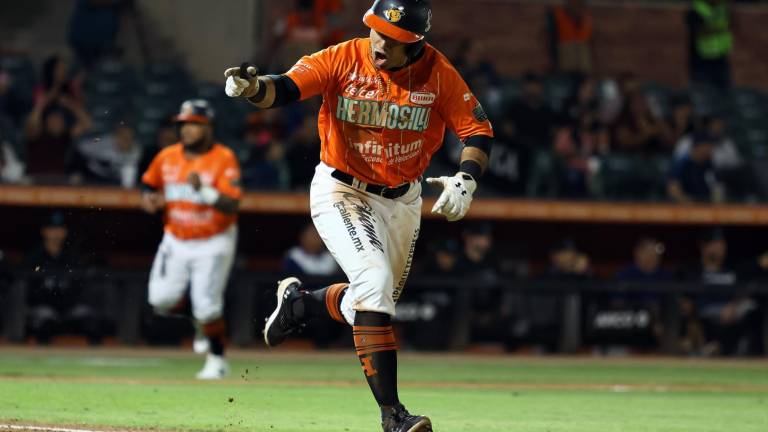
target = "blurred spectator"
x: 265, y: 167
x: 110, y: 160
x: 13, y: 105
x: 57, y: 88
x: 583, y: 101
x: 303, y: 153
x: 571, y: 35
x: 682, y: 120
x: 573, y: 155
x: 730, y: 322
x: 710, y: 42
x: 637, y: 130
x: 11, y: 168
x: 479, y: 263
x: 615, y: 95
x: 443, y: 259
x: 532, y: 116
x: 692, y: 177
x: 646, y: 266
x: 167, y: 134
x: 509, y: 168
x: 567, y: 263
x: 712, y: 267
x: 56, y: 299
x: 478, y: 260
x: 93, y: 29
x: 727, y: 162
x: 49, y: 138
x: 310, y: 257
x: 308, y: 27
x: 479, y: 72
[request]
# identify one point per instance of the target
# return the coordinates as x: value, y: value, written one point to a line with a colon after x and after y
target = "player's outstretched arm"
x: 456, y: 198
x: 268, y: 91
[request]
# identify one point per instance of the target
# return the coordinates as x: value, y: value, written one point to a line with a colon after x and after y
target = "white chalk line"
x: 41, y: 428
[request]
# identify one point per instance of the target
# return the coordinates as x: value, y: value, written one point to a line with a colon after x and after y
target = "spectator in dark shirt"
x: 56, y: 299
x: 638, y: 131
x: 479, y: 264
x: 730, y: 321
x: 727, y: 162
x: 646, y: 266
x: 56, y: 87
x: 692, y: 177
x: 682, y: 121
x: 532, y: 116
x: 583, y: 101
x: 443, y: 259
x: 265, y: 166
x: 309, y: 257
x: 574, y: 150
x: 49, y: 138
x: 567, y: 263
x: 478, y: 260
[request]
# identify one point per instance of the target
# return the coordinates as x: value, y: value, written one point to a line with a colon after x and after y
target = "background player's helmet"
x: 406, y: 21
x: 195, y: 111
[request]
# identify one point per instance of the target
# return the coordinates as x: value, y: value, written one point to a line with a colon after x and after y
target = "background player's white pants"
x: 202, y: 265
x: 372, y: 239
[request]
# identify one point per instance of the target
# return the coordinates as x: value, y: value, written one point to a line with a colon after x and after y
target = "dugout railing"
x: 438, y: 313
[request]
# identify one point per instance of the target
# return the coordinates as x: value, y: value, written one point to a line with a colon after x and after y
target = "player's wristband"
x: 209, y: 195
x: 472, y: 168
x: 261, y: 92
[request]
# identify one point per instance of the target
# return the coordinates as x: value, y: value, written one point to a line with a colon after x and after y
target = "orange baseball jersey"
x: 185, y: 216
x: 384, y: 126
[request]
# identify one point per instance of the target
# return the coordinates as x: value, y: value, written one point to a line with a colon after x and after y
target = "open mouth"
x: 379, y: 58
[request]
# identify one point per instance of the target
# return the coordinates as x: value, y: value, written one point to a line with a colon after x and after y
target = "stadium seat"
x: 624, y: 177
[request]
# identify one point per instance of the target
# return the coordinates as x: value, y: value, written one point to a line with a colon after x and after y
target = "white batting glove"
x: 456, y: 198
x: 235, y: 86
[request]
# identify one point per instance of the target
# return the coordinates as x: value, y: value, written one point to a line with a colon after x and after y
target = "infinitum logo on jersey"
x: 382, y: 114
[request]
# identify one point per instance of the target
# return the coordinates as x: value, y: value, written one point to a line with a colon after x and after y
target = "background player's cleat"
x: 282, y: 323
x: 216, y: 367
x: 398, y: 419
x: 200, y: 345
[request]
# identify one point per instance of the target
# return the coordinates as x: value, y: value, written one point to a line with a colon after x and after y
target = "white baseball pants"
x: 372, y: 239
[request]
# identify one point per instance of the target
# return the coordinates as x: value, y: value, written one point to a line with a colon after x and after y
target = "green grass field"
x: 291, y: 392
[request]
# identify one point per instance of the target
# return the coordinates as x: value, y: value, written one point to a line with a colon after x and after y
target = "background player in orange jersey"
x: 387, y: 101
x: 197, y: 183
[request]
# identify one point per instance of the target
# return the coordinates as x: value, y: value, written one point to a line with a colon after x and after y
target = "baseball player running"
x: 387, y: 100
x: 196, y: 182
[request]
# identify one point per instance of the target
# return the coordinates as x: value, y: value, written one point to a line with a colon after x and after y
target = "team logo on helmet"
x: 395, y: 14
